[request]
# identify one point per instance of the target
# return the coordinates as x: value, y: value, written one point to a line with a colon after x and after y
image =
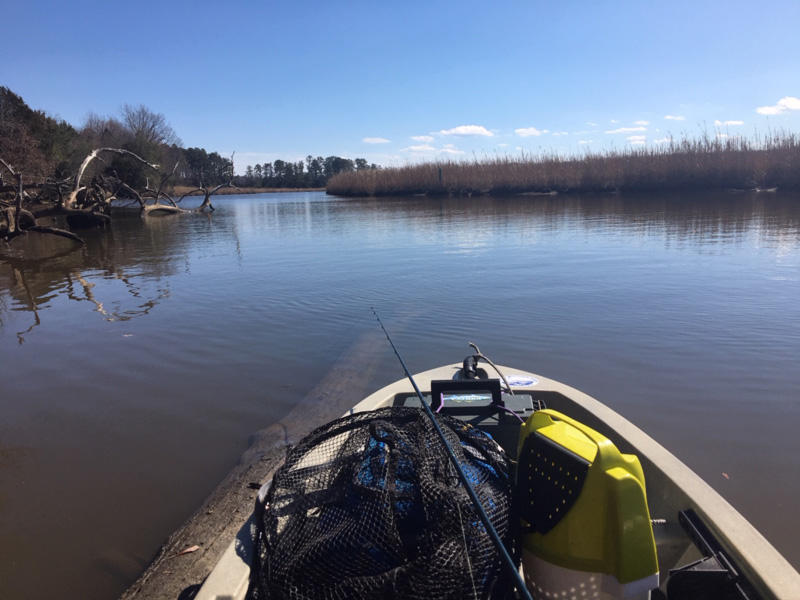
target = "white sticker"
x: 521, y: 380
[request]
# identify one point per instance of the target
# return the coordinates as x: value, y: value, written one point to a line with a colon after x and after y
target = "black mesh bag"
x: 369, y: 506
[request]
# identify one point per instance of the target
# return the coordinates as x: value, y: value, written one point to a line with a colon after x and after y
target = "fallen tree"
x: 17, y: 219
x: 87, y: 204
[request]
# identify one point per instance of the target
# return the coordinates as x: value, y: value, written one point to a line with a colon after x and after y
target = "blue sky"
x: 398, y: 82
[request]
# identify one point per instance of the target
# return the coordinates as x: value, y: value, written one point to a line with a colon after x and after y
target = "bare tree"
x: 103, y: 132
x: 149, y: 126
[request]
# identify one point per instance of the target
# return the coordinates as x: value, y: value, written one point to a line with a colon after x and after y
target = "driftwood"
x: 207, y: 193
x: 15, y: 215
x: 89, y: 204
x: 172, y: 206
x: 72, y: 200
x: 159, y: 194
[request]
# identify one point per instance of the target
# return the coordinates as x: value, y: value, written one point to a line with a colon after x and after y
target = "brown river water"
x: 133, y: 370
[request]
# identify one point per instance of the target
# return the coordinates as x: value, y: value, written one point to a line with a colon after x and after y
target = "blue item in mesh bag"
x: 369, y: 506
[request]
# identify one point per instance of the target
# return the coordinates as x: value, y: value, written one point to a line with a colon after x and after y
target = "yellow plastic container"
x: 585, y: 507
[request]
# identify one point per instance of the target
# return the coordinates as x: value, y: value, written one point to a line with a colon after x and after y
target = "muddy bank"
x: 212, y: 527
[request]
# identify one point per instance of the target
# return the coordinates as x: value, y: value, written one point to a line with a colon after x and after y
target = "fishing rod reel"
x: 471, y: 369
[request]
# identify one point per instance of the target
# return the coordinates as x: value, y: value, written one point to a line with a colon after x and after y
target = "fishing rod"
x: 522, y: 590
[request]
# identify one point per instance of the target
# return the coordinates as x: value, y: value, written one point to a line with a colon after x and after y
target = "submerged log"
x: 59, y: 232
x: 87, y: 219
x: 149, y: 209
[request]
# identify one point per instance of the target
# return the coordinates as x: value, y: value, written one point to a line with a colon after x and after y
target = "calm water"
x: 133, y: 371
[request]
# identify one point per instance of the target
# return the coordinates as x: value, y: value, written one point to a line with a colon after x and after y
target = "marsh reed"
x: 764, y: 162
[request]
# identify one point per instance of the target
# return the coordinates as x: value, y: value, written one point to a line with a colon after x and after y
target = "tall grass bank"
x: 769, y: 162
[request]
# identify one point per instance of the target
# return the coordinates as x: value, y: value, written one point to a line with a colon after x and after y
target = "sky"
x: 397, y: 82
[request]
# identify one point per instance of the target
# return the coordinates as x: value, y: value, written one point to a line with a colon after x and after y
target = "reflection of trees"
x: 120, y: 271
x: 116, y: 314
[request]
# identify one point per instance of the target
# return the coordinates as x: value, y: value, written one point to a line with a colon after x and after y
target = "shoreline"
x: 181, y: 190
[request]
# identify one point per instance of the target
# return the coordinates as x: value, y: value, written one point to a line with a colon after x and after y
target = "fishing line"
x: 522, y: 590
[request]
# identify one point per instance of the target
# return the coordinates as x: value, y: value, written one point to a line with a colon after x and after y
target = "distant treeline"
x: 709, y: 163
x: 311, y: 173
x: 43, y: 147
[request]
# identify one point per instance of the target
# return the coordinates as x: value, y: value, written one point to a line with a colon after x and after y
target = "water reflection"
x: 702, y: 219
x: 122, y: 272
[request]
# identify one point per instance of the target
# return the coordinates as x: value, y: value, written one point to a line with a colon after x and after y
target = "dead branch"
x: 85, y: 204
x: 14, y: 216
x: 152, y: 208
x: 207, y: 199
x: 137, y: 196
x: 95, y: 154
x: 13, y: 223
x: 190, y: 192
x: 159, y: 194
x: 56, y: 231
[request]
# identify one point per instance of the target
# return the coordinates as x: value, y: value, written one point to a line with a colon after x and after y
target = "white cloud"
x: 560, y: 133
x: 642, y: 123
x: 529, y: 131
x: 637, y: 139
x: 421, y: 148
x: 664, y: 140
x: 783, y: 106
x: 590, y: 124
x: 614, y: 121
x: 722, y: 136
x: 627, y: 130
x: 674, y: 118
x: 724, y: 123
x: 422, y: 138
x: 585, y: 141
x: 375, y: 140
x: 467, y: 130
x: 428, y: 149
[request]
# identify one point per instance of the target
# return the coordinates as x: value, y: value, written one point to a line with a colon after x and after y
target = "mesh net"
x: 369, y: 506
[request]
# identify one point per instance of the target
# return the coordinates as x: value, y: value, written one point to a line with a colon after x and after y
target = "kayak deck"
x: 671, y: 486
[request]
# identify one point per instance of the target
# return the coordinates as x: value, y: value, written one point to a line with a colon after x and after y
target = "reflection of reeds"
x: 772, y: 161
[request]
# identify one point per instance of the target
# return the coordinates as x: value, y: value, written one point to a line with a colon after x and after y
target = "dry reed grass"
x: 771, y: 161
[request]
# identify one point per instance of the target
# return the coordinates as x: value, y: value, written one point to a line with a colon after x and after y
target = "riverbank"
x: 771, y: 162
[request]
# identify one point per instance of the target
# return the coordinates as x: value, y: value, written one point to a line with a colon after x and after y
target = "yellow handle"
x: 608, y: 456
